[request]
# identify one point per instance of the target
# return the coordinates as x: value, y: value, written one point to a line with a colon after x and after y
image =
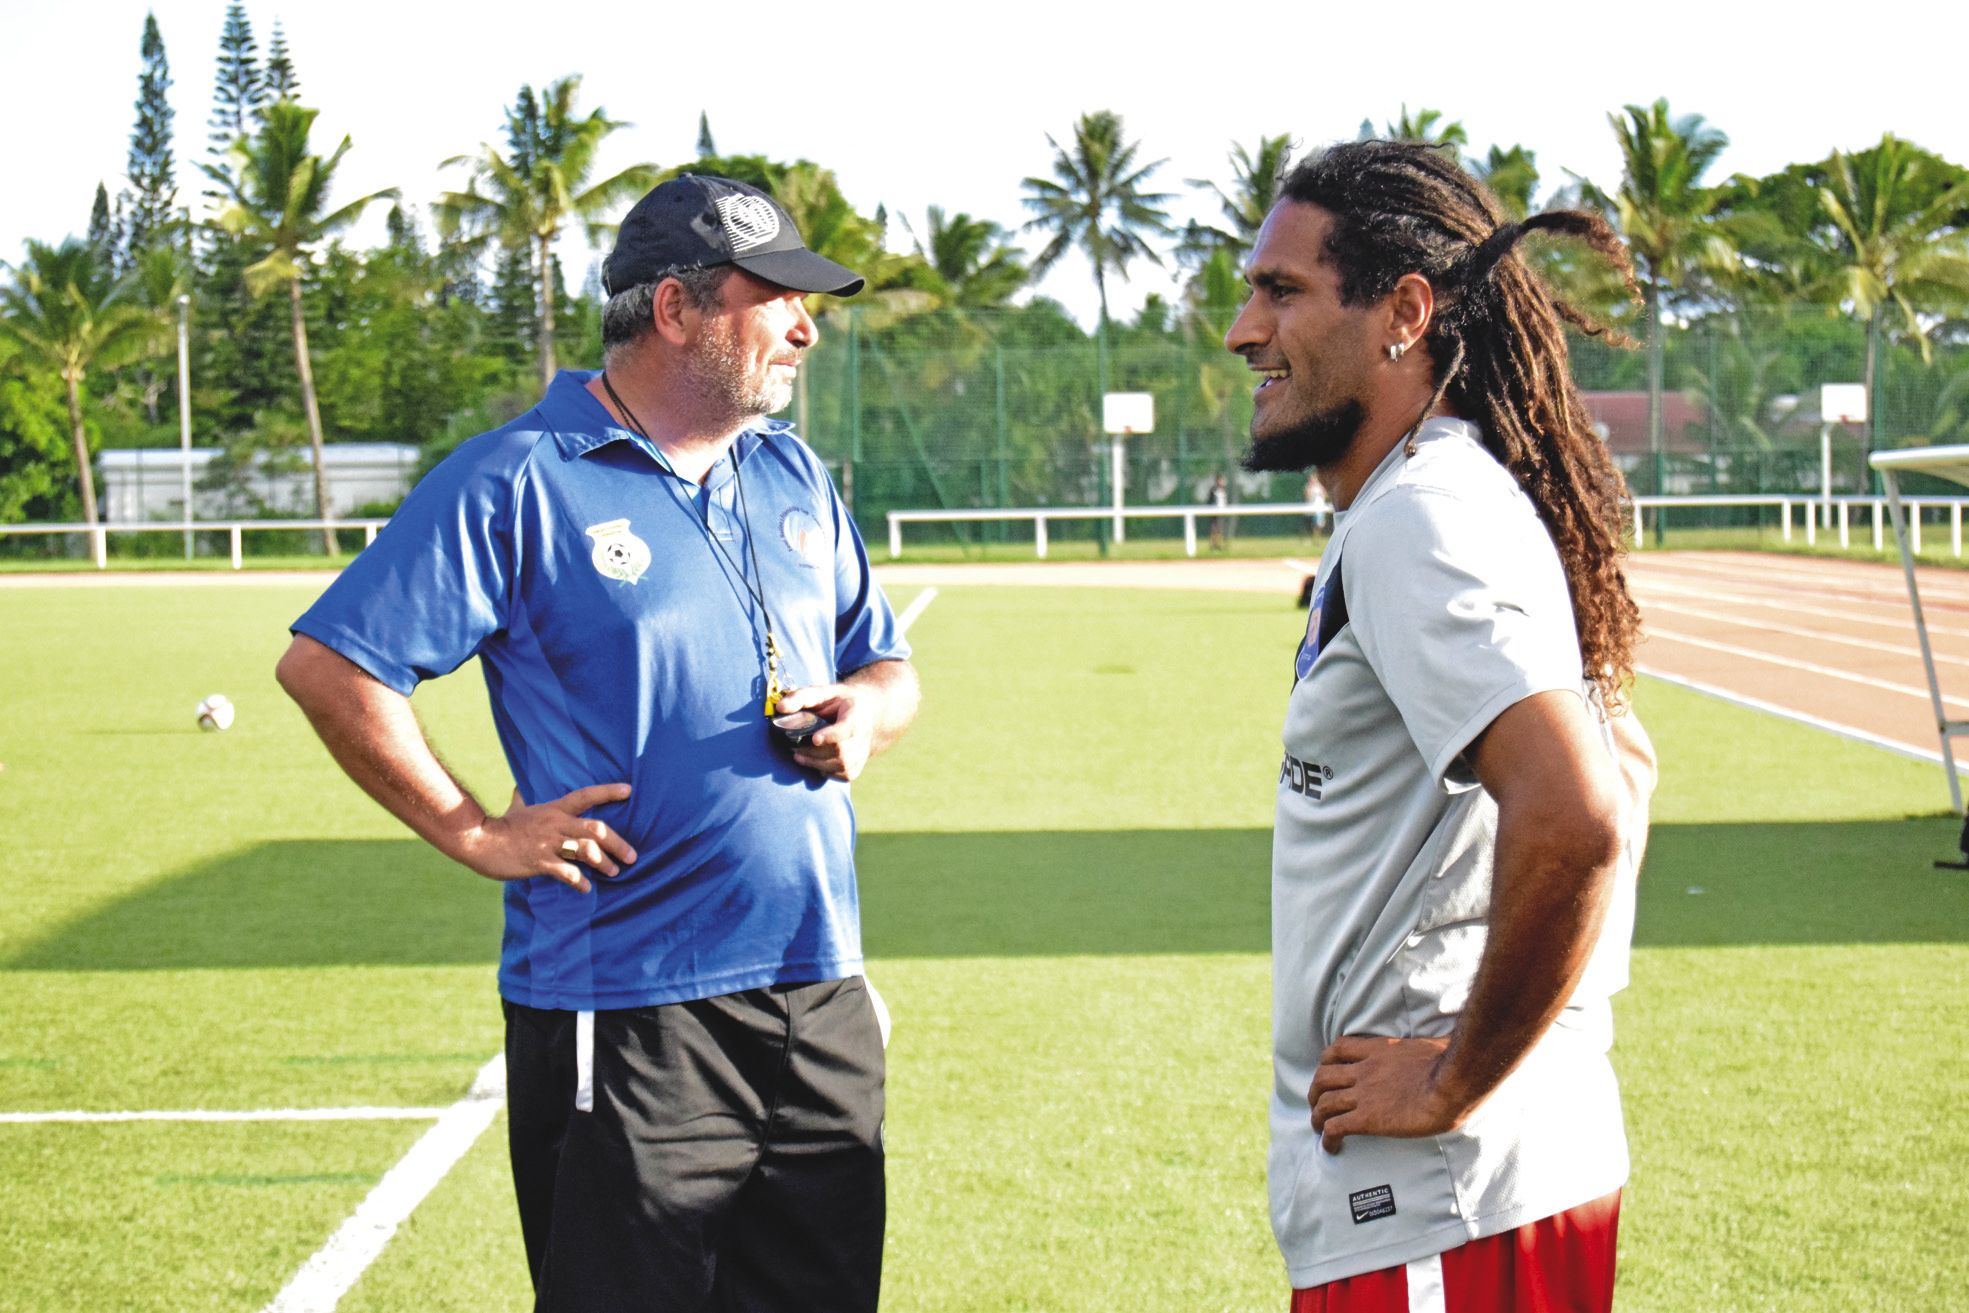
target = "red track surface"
x: 1831, y: 642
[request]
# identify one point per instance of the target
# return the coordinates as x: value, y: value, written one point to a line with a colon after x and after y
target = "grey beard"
x: 1317, y: 440
x: 720, y: 373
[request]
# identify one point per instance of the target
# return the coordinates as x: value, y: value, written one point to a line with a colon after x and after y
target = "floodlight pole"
x: 184, y: 410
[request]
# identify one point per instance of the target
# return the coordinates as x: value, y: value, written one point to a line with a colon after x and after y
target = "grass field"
x: 1065, y: 889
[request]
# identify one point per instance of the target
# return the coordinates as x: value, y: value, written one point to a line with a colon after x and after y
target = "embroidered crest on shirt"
x: 1309, y: 647
x: 799, y: 530
x: 618, y: 553
x: 749, y: 221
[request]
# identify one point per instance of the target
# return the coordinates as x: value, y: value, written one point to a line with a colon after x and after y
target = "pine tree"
x: 403, y: 236
x: 241, y: 89
x: 282, y: 82
x: 153, y: 180
x: 523, y: 132
x: 706, y: 148
x: 514, y: 325
x: 105, y: 231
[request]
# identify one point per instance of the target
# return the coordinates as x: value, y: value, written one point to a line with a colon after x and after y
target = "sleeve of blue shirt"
x: 865, y: 629
x: 423, y: 598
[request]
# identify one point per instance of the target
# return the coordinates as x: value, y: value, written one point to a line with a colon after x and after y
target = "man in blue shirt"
x: 688, y: 661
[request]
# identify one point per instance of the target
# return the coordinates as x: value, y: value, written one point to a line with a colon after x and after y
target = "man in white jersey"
x: 1459, y: 816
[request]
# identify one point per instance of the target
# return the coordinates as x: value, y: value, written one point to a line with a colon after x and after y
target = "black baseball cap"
x: 697, y: 221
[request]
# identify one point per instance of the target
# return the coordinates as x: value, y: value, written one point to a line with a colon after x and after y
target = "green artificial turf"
x: 1065, y: 903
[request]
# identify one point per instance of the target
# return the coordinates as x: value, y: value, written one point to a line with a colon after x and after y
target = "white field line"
x: 1818, y: 635
x: 334, y: 1268
x: 1790, y: 663
x: 1929, y: 755
x: 917, y: 606
x: 1304, y: 567
x: 231, y: 1115
x: 1790, y: 592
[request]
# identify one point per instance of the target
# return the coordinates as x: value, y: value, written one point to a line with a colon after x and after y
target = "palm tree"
x: 1427, y: 127
x: 1095, y: 202
x: 68, y: 311
x: 1256, y: 179
x: 1512, y: 176
x: 1667, y: 217
x: 978, y: 268
x: 276, y: 192
x: 525, y: 198
x: 1895, y: 240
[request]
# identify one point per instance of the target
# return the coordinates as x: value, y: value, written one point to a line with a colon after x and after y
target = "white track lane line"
x: 1792, y: 631
x: 917, y: 606
x: 334, y: 1268
x: 1898, y: 620
x: 1931, y: 756
x: 1792, y: 590
x: 1949, y: 590
x: 1790, y: 663
x: 231, y: 1115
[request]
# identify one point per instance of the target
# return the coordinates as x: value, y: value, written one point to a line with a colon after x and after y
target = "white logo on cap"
x: 749, y: 221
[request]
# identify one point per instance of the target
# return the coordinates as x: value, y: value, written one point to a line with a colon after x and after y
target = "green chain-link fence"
x: 954, y: 410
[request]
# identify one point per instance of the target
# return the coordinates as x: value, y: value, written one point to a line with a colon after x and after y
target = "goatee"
x: 1320, y: 439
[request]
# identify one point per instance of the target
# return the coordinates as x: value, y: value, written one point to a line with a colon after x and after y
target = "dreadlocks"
x: 1498, y: 351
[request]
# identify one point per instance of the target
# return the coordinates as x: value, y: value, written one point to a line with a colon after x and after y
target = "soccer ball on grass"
x: 215, y: 712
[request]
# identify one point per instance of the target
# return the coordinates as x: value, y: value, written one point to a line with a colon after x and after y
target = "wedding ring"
x: 570, y: 848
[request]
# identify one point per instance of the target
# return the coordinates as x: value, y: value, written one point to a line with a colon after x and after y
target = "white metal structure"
x: 148, y: 484
x: 1951, y: 463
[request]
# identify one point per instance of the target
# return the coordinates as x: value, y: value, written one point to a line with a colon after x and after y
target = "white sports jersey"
x: 1455, y: 608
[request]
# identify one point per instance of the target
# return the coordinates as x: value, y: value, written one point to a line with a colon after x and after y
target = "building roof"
x: 1623, y: 420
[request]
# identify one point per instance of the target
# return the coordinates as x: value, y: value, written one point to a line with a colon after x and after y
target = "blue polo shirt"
x: 607, y: 599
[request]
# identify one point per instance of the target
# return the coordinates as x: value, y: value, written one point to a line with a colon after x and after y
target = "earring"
x: 1395, y: 350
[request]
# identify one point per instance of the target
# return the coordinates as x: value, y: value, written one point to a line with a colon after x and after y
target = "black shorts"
x: 732, y: 1158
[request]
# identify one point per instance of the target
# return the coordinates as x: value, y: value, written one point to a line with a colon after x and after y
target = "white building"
x: 142, y: 485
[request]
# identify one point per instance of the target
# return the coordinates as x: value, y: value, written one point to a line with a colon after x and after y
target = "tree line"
x: 459, y: 317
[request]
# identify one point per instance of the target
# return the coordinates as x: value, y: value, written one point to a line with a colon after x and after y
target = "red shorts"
x: 1563, y: 1264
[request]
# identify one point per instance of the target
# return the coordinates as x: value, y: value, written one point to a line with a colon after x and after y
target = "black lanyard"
x: 703, y: 520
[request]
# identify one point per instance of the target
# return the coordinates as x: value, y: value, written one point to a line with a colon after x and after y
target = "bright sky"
x: 919, y: 104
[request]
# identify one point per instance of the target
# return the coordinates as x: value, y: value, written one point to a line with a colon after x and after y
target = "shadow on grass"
x: 932, y: 895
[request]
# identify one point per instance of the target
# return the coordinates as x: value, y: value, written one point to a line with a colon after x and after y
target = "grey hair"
x: 626, y: 316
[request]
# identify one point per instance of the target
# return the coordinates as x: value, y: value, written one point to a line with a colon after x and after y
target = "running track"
x: 1824, y: 641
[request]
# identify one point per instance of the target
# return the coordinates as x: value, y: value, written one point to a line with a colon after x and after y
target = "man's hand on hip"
x: 1372, y: 1085
x: 549, y: 839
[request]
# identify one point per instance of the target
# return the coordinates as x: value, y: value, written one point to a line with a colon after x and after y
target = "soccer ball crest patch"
x: 618, y: 553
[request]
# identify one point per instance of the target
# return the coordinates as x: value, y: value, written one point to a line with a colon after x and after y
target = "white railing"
x: 1817, y: 515
x: 235, y: 531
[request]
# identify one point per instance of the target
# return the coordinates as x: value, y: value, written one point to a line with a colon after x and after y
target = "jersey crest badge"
x: 799, y: 530
x: 618, y: 553
x: 1309, y: 647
